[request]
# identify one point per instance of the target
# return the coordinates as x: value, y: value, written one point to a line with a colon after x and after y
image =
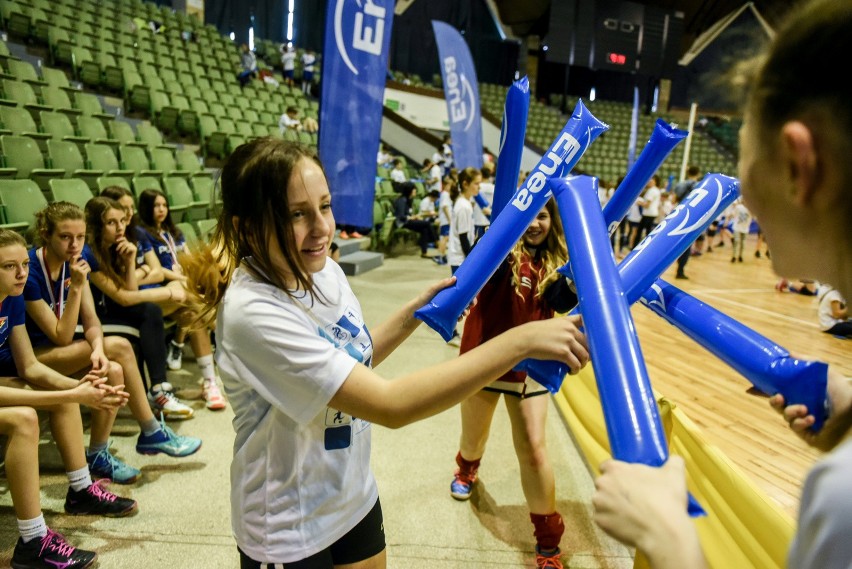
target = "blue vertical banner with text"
x: 354, y: 68
x: 462, y: 94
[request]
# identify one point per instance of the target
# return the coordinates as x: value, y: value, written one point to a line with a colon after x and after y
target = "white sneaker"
x: 174, y: 356
x: 213, y: 395
x: 168, y: 405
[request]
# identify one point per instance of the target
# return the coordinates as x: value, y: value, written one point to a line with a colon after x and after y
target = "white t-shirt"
x: 827, y: 295
x: 634, y: 214
x: 462, y: 223
x: 300, y: 474
x: 742, y: 219
x: 398, y: 175
x: 286, y: 122
x: 427, y: 206
x: 288, y: 60
x: 435, y: 173
x: 308, y: 61
x: 651, y: 199
x: 445, y: 208
x: 486, y: 190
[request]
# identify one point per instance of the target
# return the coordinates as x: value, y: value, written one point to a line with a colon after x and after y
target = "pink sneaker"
x: 213, y: 395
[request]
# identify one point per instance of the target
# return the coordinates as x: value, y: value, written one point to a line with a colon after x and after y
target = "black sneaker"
x: 96, y: 501
x: 50, y: 552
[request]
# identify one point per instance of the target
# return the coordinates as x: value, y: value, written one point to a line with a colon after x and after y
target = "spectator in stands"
x: 22, y: 382
x: 296, y: 359
x: 406, y: 218
x: 58, y: 297
x: 309, y: 59
x: 289, y: 120
x: 397, y: 173
x: 429, y: 206
x: 288, y: 63
x: 795, y: 172
x: 525, y: 287
x: 120, y: 300
x: 384, y: 158
x: 650, y: 204
x: 445, y: 215
x: 167, y: 241
x: 248, y: 65
x: 432, y: 173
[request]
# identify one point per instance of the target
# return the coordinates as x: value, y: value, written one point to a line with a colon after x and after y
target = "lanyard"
x: 167, y: 237
x: 57, y: 307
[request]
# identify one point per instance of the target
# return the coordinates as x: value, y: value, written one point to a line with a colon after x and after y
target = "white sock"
x: 80, y: 479
x: 205, y: 364
x: 31, y: 529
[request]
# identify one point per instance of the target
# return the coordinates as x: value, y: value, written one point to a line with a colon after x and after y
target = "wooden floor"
x: 714, y: 396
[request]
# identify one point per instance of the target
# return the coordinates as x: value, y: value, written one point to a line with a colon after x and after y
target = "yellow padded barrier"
x: 743, y: 527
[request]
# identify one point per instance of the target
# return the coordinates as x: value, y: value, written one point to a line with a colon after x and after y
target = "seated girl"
x: 58, y: 297
x: 158, y: 231
x: 20, y: 371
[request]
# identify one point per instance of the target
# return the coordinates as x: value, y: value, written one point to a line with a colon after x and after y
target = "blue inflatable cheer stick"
x: 511, y: 144
x: 629, y: 407
x: 443, y: 312
x: 768, y: 366
x: 654, y: 254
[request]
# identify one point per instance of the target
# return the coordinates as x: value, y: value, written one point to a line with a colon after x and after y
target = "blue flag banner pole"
x: 634, y: 128
x: 354, y: 68
x: 462, y: 94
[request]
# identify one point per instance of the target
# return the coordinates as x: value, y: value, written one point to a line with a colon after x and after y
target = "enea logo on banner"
x: 460, y: 94
x: 366, y: 23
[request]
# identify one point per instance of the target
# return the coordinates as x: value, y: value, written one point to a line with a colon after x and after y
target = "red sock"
x: 548, y: 530
x: 467, y: 468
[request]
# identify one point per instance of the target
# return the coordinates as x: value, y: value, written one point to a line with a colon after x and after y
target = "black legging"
x: 146, y: 317
x: 426, y: 230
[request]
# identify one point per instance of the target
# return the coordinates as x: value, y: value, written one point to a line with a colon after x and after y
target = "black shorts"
x: 362, y: 542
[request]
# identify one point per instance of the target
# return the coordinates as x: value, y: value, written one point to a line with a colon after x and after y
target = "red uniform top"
x: 499, y: 307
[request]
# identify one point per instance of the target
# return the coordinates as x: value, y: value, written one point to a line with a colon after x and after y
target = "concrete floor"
x: 183, y: 519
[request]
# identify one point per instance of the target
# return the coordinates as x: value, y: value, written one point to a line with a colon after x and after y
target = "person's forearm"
x: 67, y: 323
x: 15, y: 397
x: 39, y: 374
x: 95, y: 337
x: 392, y: 332
x: 675, y: 546
x: 434, y: 389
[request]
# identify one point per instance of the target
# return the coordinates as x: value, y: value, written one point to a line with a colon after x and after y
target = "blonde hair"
x: 553, y: 253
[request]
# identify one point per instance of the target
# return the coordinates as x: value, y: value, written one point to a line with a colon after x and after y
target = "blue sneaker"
x: 461, y: 486
x: 104, y: 465
x: 167, y: 442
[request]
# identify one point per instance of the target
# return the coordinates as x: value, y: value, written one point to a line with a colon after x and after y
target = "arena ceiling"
x: 530, y: 17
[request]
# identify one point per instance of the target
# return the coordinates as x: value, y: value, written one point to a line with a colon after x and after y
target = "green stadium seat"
x: 152, y: 137
x: 56, y: 98
x: 20, y: 200
x: 182, y: 200
x: 66, y: 155
x: 163, y: 114
x: 23, y: 153
x: 189, y: 233
x: 206, y: 227
x: 102, y: 157
x: 142, y: 183
x: 122, y: 131
x: 90, y: 105
x: 134, y: 158
x: 56, y: 78
x: 19, y: 121
x: 24, y: 71
x: 93, y: 128
x: 72, y: 190
x: 108, y: 181
x: 18, y: 93
x: 188, y: 160
x: 58, y: 126
x: 213, y: 140
x: 164, y: 159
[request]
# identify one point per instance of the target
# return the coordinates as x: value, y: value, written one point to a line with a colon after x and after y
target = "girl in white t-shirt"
x: 833, y: 313
x: 462, y: 229
x: 296, y: 359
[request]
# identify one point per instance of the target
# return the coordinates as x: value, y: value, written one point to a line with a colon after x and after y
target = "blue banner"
x: 354, y: 67
x: 462, y: 94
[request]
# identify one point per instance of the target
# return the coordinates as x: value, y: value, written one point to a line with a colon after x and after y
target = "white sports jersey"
x: 300, y: 475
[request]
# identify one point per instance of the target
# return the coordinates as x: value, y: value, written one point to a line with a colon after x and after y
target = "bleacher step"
x: 360, y: 262
x: 348, y: 246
